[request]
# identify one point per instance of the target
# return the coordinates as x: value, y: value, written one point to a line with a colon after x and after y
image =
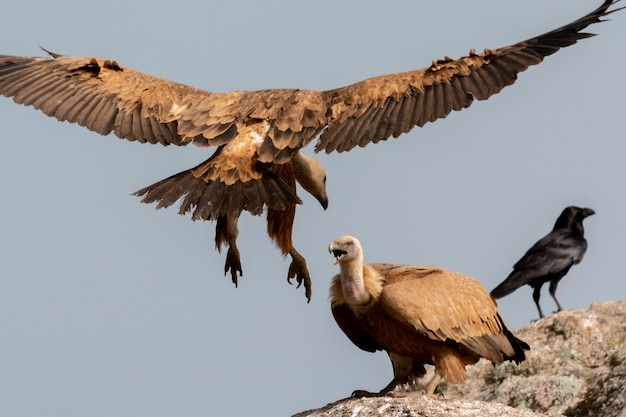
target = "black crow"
x: 550, y: 258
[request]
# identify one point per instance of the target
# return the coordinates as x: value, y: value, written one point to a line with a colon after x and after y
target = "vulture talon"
x: 233, y: 264
x: 361, y: 393
x: 299, y: 271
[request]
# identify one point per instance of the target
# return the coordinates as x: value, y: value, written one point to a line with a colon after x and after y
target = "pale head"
x: 311, y: 175
x: 345, y: 249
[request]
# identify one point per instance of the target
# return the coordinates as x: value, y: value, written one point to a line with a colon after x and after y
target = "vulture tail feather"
x: 499, y: 347
x: 210, y: 200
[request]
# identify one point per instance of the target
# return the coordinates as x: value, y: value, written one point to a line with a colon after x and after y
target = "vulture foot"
x: 388, y: 390
x: 360, y: 393
x: 233, y: 264
x: 395, y: 394
x: 299, y: 271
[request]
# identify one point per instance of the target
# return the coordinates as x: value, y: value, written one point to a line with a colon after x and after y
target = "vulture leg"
x: 359, y: 393
x: 299, y: 271
x: 406, y: 371
x: 280, y: 228
x: 553, y: 285
x: 391, y: 386
x: 536, y: 295
x: 429, y: 389
x: 233, y: 262
x: 226, y: 232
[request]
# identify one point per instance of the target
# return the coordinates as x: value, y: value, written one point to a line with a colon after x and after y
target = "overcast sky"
x: 109, y: 308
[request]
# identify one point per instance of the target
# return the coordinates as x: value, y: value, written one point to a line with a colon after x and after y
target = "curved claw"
x: 299, y: 271
x: 361, y: 393
x: 233, y: 264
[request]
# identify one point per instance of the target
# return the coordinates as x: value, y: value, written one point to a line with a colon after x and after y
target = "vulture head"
x: 345, y: 249
x: 311, y: 175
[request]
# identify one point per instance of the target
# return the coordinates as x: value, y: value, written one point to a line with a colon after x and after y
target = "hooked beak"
x: 337, y: 254
x: 324, y: 202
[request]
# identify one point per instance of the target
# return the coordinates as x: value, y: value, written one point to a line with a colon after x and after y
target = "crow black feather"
x: 550, y: 258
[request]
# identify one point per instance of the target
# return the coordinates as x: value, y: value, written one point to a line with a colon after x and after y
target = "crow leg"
x: 553, y: 285
x: 536, y: 295
x: 299, y: 271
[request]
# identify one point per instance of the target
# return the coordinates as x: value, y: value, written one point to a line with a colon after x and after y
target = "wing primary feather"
x: 440, y: 105
x: 17, y: 80
x: 50, y: 104
x: 150, y: 134
x: 41, y: 95
x: 123, y: 125
x: 32, y: 88
x: 476, y: 86
x: 361, y: 133
x: 135, y: 123
x: 80, y: 109
x: 429, y: 105
x: 157, y: 130
x: 103, y: 117
x: 71, y: 107
x: 405, y: 113
x: 384, y: 122
x: 462, y: 97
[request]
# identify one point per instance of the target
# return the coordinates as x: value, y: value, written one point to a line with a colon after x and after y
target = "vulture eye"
x: 338, y: 253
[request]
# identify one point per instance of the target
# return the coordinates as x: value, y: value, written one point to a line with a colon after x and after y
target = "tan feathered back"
x: 424, y: 300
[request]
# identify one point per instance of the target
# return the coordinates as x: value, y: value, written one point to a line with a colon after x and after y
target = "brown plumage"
x: 259, y: 134
x: 419, y: 315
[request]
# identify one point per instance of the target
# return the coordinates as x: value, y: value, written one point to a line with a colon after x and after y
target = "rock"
x: 414, y: 406
x: 576, y: 368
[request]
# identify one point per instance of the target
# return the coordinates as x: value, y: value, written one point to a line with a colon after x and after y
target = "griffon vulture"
x: 258, y: 135
x: 419, y: 315
x: 550, y: 258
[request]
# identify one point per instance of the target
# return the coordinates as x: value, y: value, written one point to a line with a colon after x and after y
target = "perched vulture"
x: 550, y: 258
x: 419, y: 315
x: 258, y: 135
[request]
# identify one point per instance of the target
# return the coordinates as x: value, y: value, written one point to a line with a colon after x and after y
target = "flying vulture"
x: 259, y: 135
x: 550, y: 258
x: 419, y: 315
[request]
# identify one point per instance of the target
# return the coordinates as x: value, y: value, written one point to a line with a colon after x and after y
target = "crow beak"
x: 588, y: 212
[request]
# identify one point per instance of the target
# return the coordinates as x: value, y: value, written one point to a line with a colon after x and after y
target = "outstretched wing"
x: 375, y: 109
x: 252, y: 129
x: 106, y: 97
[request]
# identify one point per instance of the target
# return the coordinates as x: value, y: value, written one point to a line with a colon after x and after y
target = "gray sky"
x: 110, y: 308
